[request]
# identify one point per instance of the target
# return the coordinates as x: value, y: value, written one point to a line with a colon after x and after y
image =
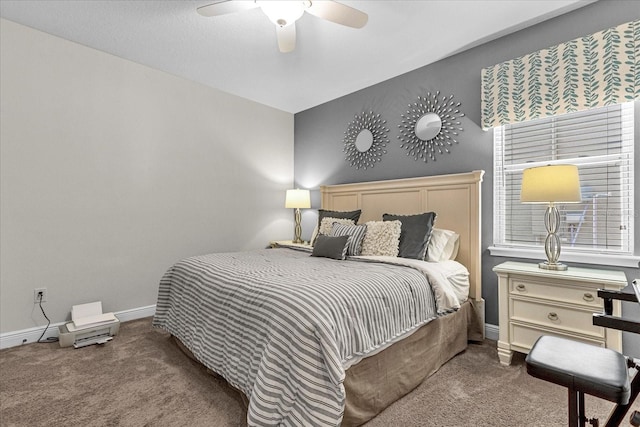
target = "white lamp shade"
x: 553, y: 183
x: 298, y: 199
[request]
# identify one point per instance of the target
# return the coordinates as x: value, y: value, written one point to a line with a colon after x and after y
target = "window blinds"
x: 600, y: 142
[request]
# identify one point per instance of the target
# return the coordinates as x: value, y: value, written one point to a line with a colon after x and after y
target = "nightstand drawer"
x: 553, y: 316
x: 555, y: 292
x: 524, y: 337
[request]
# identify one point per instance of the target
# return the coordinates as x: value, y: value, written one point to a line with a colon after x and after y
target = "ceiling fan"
x: 284, y: 15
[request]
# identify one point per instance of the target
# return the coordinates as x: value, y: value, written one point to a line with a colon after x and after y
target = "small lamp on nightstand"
x: 298, y: 199
x: 551, y: 184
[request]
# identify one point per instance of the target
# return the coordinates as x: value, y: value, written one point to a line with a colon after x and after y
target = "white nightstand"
x: 535, y: 302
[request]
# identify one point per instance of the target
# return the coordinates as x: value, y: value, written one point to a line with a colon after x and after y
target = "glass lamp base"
x: 556, y: 266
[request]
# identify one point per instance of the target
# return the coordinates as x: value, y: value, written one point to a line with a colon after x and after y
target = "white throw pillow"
x: 326, y: 225
x: 443, y: 246
x: 382, y: 238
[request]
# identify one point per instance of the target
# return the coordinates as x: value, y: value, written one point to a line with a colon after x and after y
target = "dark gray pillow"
x: 415, y: 233
x: 324, y: 213
x: 331, y: 247
x: 354, y: 215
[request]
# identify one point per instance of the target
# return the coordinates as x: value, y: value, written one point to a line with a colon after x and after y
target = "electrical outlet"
x: 36, y: 295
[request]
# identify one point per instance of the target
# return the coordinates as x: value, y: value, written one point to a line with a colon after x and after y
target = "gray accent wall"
x: 319, y: 131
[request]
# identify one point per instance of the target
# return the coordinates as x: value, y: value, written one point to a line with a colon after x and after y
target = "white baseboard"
x: 31, y: 335
x: 491, y: 332
x: 27, y: 336
x: 136, y: 313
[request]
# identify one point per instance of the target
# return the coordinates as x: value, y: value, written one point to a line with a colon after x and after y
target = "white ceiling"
x: 238, y: 53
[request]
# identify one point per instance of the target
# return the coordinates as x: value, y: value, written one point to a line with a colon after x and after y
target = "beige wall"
x: 112, y: 171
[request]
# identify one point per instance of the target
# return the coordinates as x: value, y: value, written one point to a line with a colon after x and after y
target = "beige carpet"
x: 142, y: 379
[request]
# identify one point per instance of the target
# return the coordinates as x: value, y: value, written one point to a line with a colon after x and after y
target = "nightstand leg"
x: 504, y: 354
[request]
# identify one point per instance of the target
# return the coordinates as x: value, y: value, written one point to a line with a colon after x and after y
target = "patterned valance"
x: 592, y: 71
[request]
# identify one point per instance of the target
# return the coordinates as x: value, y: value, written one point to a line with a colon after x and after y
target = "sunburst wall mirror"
x: 365, y: 140
x: 430, y: 126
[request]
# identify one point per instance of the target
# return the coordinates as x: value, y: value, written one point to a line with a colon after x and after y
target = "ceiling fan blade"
x: 338, y: 13
x: 226, y: 6
x: 286, y: 38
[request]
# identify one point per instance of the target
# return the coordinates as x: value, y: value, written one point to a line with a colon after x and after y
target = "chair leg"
x: 582, y: 417
x: 573, y: 407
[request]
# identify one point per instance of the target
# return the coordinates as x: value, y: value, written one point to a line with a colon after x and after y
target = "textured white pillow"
x: 382, y: 238
x: 443, y: 245
x: 327, y: 224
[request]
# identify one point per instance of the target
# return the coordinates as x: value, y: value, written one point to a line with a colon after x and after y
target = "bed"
x: 269, y: 325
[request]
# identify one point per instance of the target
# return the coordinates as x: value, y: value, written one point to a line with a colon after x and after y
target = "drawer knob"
x: 588, y: 297
x: 552, y: 316
x: 521, y: 287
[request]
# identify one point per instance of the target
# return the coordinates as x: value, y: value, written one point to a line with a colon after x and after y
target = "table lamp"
x: 551, y: 184
x: 298, y: 199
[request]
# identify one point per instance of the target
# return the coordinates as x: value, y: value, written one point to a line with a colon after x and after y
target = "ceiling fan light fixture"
x: 283, y: 13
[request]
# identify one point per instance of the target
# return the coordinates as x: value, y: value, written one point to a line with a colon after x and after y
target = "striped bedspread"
x: 282, y: 326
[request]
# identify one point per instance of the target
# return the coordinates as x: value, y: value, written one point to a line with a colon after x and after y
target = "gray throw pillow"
x: 323, y: 213
x: 354, y: 215
x: 356, y: 235
x: 415, y: 233
x: 331, y: 247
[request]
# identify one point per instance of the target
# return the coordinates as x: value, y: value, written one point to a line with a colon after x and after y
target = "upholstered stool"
x: 583, y: 369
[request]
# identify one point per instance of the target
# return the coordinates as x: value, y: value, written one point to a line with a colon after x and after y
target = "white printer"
x: 88, y: 326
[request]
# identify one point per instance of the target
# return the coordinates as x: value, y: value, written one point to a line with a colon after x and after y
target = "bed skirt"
x: 379, y: 380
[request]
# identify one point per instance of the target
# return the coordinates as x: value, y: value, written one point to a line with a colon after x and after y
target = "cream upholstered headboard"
x: 455, y: 198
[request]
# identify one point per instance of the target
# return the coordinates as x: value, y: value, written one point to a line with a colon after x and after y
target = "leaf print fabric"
x: 592, y: 71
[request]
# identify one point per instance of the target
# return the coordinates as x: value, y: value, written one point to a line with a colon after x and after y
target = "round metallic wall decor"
x: 365, y: 140
x: 430, y: 125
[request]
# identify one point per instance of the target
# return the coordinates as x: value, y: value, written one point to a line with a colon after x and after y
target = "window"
x: 600, y: 142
